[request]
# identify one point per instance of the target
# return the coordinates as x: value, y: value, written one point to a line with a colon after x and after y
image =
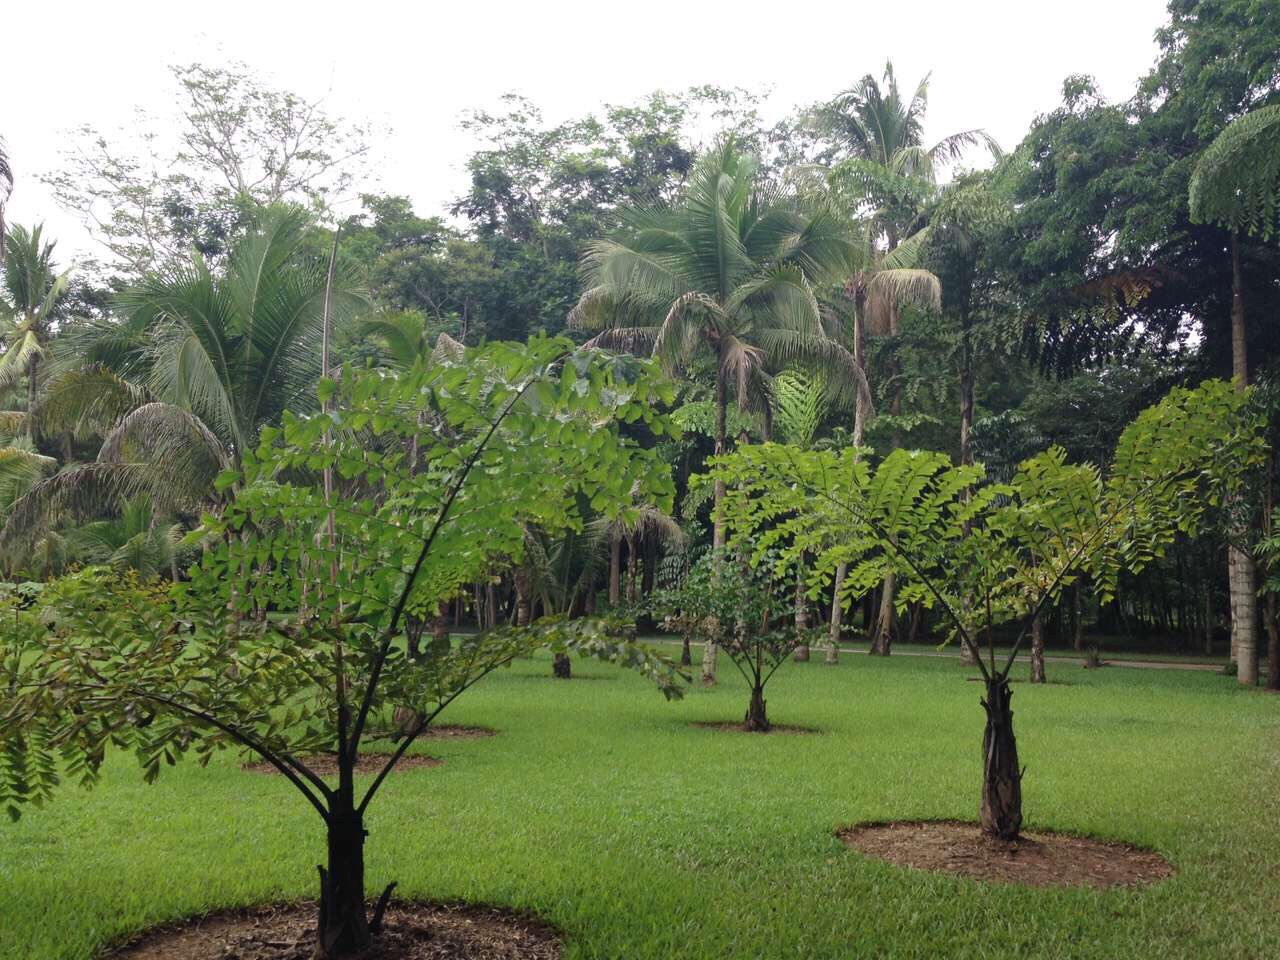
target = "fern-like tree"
x: 182, y: 378
x: 516, y: 435
x: 727, y: 271
x: 987, y: 553
x: 1236, y: 185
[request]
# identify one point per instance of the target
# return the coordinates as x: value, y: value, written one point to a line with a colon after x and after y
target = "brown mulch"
x: 738, y: 727
x: 326, y: 764
x: 443, y: 731
x: 1036, y: 860
x: 411, y: 931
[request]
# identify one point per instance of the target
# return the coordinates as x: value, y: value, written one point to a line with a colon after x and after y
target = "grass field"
x: 601, y: 809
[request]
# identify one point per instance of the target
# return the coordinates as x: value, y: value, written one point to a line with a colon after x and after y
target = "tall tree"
x: 877, y: 135
x: 233, y: 143
x: 728, y: 270
x: 6, y: 189
x: 180, y: 386
x: 33, y: 296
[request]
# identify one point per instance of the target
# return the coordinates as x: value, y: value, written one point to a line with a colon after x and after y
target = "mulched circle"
x: 738, y: 727
x: 326, y: 764
x: 447, y: 731
x: 411, y: 931
x: 1036, y: 860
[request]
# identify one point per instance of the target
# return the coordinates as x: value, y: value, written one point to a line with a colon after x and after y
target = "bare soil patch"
x: 326, y: 764
x: 738, y: 727
x: 411, y: 931
x: 1036, y: 860
x: 444, y: 731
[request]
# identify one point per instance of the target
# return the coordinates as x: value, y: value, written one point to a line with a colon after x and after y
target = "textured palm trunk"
x: 1001, y: 813
x: 33, y: 368
x: 717, y: 534
x: 1240, y: 567
x: 615, y: 569
x: 1037, y: 650
x: 633, y: 569
x: 1273, y: 642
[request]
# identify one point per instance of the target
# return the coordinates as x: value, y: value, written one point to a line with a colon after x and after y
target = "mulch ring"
x: 411, y: 931
x: 443, y: 731
x: 739, y: 727
x: 1036, y: 860
x: 326, y: 764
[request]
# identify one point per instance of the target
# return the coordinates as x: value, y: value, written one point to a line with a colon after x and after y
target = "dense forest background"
x: 1007, y: 297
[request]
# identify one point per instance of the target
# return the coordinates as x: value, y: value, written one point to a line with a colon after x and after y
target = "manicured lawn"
x: 601, y: 809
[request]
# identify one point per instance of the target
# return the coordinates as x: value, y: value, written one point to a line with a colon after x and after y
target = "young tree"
x: 511, y: 437
x: 740, y: 607
x: 990, y: 553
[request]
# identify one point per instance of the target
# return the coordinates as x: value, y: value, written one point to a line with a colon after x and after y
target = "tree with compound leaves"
x: 987, y: 553
x: 510, y: 437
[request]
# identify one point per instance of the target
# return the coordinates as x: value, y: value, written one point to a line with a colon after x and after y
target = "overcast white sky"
x: 415, y: 66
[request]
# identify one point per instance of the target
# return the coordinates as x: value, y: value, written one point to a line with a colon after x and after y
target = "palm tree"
x: 404, y: 337
x: 6, y: 188
x: 887, y: 166
x: 729, y: 271
x: 33, y: 294
x: 183, y: 382
x: 136, y: 540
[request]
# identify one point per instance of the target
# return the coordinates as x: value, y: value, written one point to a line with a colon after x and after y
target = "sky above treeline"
x: 412, y: 69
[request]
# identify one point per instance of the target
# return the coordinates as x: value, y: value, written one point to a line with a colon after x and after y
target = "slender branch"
x: 381, y: 657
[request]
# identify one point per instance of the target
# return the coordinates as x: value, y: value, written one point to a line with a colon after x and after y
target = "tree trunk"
x: 1240, y: 566
x: 1273, y: 642
x: 686, y: 655
x: 756, y: 720
x: 562, y: 667
x: 615, y: 569
x: 633, y: 569
x: 524, y: 607
x: 1001, y: 776
x: 33, y: 367
x: 801, y: 615
x: 886, y: 622
x: 343, y: 927
x: 1037, y: 650
x: 717, y: 534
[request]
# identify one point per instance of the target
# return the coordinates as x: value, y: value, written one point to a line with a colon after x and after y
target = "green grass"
x: 601, y: 809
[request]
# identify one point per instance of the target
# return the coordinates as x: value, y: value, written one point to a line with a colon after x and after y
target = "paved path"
x: 1074, y: 661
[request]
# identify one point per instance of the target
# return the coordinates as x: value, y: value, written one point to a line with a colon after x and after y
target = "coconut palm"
x: 135, y: 540
x: 6, y: 188
x: 183, y: 381
x: 404, y: 337
x: 33, y: 294
x: 891, y: 176
x: 728, y: 271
